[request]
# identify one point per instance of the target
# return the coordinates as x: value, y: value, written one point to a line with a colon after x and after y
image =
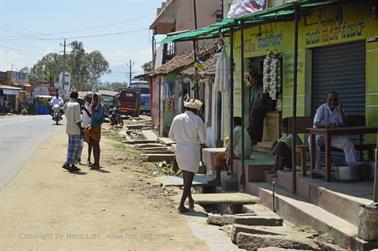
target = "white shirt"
x: 324, y: 116
x: 86, y: 119
x: 189, y: 131
x: 73, y: 115
x: 188, y: 128
x: 56, y: 101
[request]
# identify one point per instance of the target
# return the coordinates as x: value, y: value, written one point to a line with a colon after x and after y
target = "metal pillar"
x: 231, y: 93
x: 294, y: 120
x: 243, y: 179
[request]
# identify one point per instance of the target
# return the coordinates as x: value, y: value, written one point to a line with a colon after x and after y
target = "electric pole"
x: 130, y: 65
x: 64, y: 60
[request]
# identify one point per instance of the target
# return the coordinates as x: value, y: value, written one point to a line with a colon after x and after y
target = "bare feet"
x: 183, y: 210
x: 191, y: 203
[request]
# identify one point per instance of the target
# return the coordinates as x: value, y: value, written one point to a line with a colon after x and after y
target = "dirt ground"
x: 46, y: 208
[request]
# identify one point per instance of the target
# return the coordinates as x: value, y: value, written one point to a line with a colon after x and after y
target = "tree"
x: 85, y: 68
x: 78, y: 65
x: 47, y: 68
x: 147, y: 67
x: 97, y: 66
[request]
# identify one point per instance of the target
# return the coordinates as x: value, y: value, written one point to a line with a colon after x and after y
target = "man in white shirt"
x: 73, y: 130
x: 189, y: 132
x: 85, y: 123
x: 56, y: 102
x: 332, y: 115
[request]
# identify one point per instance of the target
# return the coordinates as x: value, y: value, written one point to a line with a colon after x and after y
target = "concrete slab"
x: 148, y: 145
x: 199, y: 180
x: 259, y: 220
x: 149, y: 134
x: 158, y: 157
x: 166, y: 141
x: 238, y: 228
x: 255, y: 241
x: 225, y: 198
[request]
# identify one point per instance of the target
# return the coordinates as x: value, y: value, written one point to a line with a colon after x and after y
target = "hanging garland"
x: 272, y: 75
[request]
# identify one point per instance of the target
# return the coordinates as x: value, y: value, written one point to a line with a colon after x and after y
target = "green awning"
x: 279, y: 13
x: 199, y: 32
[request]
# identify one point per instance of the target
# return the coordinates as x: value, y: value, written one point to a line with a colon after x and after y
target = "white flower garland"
x: 272, y: 75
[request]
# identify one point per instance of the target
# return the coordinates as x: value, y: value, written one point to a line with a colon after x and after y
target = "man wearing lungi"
x: 73, y: 129
x: 93, y: 132
x: 189, y: 132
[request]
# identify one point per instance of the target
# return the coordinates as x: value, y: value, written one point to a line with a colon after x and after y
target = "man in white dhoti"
x: 189, y: 132
x: 331, y: 114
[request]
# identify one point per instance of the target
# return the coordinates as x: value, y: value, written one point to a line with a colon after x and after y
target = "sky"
x: 29, y: 29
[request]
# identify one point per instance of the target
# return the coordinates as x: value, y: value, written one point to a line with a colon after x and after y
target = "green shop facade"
x: 320, y: 45
x: 337, y: 50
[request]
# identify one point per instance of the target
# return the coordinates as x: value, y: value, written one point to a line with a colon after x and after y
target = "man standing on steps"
x: 73, y: 129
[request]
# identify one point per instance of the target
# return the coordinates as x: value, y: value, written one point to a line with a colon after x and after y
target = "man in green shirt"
x: 282, y: 148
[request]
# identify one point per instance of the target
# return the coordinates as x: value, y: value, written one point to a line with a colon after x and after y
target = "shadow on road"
x: 101, y: 170
x: 196, y: 214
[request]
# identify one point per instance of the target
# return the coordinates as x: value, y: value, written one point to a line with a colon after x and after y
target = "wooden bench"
x: 302, y: 123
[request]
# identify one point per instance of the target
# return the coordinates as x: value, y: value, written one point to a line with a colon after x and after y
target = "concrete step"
x: 157, y: 151
x: 296, y: 210
x: 225, y: 198
x: 149, y: 134
x: 166, y: 141
x: 158, y: 157
x: 199, y: 180
x: 332, y: 197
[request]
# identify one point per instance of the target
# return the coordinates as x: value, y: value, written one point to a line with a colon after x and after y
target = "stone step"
x: 158, y: 157
x: 138, y: 141
x: 166, y: 141
x: 148, y: 145
x: 332, y: 197
x: 266, y: 230
x: 225, y: 198
x: 199, y: 180
x: 166, y: 151
x: 149, y: 134
x: 255, y: 241
x: 259, y: 220
x: 297, y: 211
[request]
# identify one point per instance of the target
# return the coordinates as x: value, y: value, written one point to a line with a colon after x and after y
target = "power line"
x: 17, y: 49
x: 77, y: 37
x: 74, y: 31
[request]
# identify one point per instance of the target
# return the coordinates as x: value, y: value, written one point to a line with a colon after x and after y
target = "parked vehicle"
x: 129, y: 102
x: 144, y: 89
x: 115, y: 116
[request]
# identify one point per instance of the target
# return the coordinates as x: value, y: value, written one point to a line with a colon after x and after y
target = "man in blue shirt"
x: 93, y: 132
x: 332, y: 115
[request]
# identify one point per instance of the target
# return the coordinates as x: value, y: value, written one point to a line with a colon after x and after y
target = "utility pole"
x: 64, y: 60
x: 130, y: 65
x: 195, y: 47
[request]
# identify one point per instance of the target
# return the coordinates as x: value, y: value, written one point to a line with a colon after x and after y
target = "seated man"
x: 223, y: 159
x: 332, y: 115
x: 282, y: 148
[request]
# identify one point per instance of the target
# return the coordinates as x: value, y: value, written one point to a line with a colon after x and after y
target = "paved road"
x: 19, y: 138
